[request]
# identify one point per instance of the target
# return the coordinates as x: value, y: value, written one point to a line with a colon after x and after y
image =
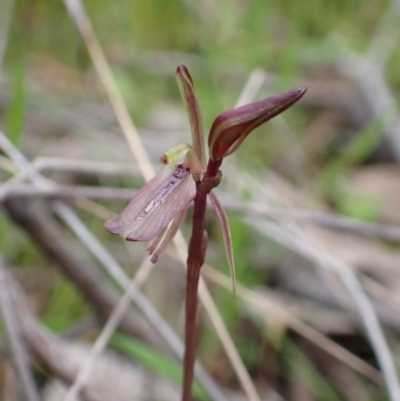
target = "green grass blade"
x: 15, y: 116
x: 154, y: 361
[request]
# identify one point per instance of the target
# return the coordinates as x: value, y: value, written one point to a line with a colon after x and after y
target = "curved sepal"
x: 226, y: 234
x: 167, y: 237
x: 196, y: 122
x: 231, y: 128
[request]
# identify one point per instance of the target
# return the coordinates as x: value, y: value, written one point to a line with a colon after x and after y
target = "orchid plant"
x: 158, y: 209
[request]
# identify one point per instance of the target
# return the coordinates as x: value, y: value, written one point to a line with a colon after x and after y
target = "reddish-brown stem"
x: 196, y: 255
x: 213, y: 168
x: 197, y: 247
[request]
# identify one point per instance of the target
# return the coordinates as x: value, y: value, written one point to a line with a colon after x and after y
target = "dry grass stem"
x: 68, y: 191
x: 109, y: 329
x: 82, y: 166
x: 292, y: 238
x: 79, y: 16
x: 329, y: 220
x: 381, y: 293
x: 8, y: 165
x: 252, y: 87
x: 265, y: 305
x: 49, y: 349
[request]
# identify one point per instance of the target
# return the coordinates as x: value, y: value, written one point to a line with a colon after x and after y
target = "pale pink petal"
x: 169, y: 235
x: 226, y: 234
x: 155, y: 205
x: 153, y: 244
x: 139, y: 201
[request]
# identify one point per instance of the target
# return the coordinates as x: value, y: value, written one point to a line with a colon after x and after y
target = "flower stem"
x: 197, y: 247
x: 196, y: 255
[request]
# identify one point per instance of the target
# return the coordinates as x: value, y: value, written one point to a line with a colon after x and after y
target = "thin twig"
x: 18, y: 351
x: 83, y: 166
x: 384, y: 231
x: 80, y: 166
x: 12, y: 187
x: 58, y: 164
x: 333, y: 221
x: 67, y: 191
x: 325, y: 219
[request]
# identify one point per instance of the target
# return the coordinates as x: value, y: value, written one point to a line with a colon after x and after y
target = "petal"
x: 196, y: 122
x: 153, y: 244
x: 232, y: 127
x: 169, y: 235
x: 226, y: 234
x: 155, y: 205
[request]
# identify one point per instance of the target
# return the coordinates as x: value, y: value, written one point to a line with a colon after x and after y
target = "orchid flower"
x: 158, y: 209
